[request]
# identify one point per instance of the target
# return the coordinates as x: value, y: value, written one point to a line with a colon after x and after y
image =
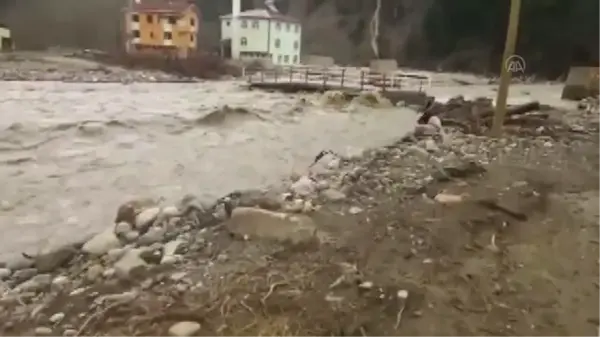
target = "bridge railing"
x: 341, y: 78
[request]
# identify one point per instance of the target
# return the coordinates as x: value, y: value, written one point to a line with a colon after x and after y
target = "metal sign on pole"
x: 508, y: 66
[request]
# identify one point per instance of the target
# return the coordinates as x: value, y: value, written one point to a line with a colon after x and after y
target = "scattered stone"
x: 43, y: 331
x: 48, y: 262
x: 59, y: 316
x: 122, y: 228
x: 430, y: 145
x: 170, y: 211
x: 4, y: 273
x: 153, y: 235
x: 70, y: 333
x: 130, y: 264
x: 129, y: 210
x: 173, y: 247
x: 23, y: 275
x: 94, y: 272
x: 304, y: 187
x: 108, y: 273
x: 146, y: 218
x: 115, y: 254
x: 295, y: 206
x: 184, y: 329
x: 102, y: 242
x: 178, y: 276
x: 60, y: 282
x: 171, y: 259
x: 260, y: 223
x: 36, y: 283
x: 446, y: 199
x: 333, y: 195
x: 131, y: 236
x: 151, y: 256
x: 355, y: 210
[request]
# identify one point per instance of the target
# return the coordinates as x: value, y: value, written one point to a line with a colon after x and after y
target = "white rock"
x: 4, y: 273
x: 122, y: 227
x: 304, y: 186
x: 171, y: 259
x: 102, y: 242
x: 443, y: 198
x: 130, y: 263
x: 108, y: 273
x: 430, y: 145
x: 131, y: 236
x: 59, y: 316
x: 355, y: 210
x: 184, y: 329
x: 94, y: 272
x: 170, y: 211
x: 333, y: 195
x: 170, y: 248
x: 43, y: 331
x: 436, y: 122
x: 425, y: 130
x: 146, y: 217
x: 70, y: 333
x: 115, y: 254
x: 60, y: 282
x: 295, y: 206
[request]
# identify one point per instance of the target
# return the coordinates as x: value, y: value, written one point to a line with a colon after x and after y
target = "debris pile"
x: 532, y: 118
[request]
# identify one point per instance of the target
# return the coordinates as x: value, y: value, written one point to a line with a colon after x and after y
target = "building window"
x: 296, y: 28
x: 295, y: 59
x: 278, y: 26
x: 136, y: 33
x: 296, y: 45
x: 255, y: 24
x: 151, y: 35
x: 286, y: 59
x: 192, y: 37
x: 172, y: 20
x: 244, y: 24
x: 168, y: 36
x: 277, y: 43
x: 227, y: 23
x: 135, y: 18
x: 244, y: 41
x: 149, y: 18
x: 192, y: 22
x: 288, y: 27
x: 278, y: 58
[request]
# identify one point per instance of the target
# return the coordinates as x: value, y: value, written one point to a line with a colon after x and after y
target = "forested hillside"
x: 442, y: 34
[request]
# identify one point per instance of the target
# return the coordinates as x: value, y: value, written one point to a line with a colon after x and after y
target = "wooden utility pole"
x: 505, y: 75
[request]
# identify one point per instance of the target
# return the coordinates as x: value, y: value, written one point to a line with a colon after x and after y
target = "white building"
x: 5, y: 38
x: 262, y: 34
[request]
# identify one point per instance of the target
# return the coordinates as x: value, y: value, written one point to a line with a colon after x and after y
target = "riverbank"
x: 57, y: 66
x: 463, y: 235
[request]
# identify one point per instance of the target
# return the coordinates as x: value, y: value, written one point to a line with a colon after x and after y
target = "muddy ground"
x: 500, y: 240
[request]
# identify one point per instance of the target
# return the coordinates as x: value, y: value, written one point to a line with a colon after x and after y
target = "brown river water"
x: 71, y: 153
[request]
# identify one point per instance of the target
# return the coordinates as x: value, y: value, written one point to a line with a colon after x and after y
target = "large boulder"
x: 263, y: 224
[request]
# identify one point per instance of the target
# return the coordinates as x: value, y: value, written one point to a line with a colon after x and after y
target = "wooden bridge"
x: 349, y: 80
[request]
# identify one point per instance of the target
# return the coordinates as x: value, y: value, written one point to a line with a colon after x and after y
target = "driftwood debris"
x: 477, y: 115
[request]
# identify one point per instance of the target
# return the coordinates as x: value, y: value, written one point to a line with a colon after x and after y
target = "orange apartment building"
x: 162, y: 27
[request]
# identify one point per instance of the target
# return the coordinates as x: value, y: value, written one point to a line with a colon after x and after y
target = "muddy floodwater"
x: 70, y: 153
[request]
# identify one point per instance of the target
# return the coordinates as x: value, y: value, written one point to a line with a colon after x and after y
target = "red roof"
x: 169, y: 6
